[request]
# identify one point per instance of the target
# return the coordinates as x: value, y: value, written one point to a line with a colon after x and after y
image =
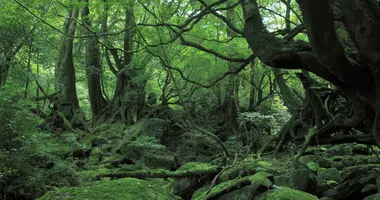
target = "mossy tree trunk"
x: 93, y: 68
x: 129, y: 96
x: 67, y: 100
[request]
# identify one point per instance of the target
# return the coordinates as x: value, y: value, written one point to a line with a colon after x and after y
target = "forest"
x: 190, y: 99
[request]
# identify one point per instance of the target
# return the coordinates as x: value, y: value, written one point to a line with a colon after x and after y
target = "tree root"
x: 220, y: 173
x: 217, y: 139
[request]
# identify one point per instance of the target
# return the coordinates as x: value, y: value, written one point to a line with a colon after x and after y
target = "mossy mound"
x: 257, y: 183
x: 285, y: 193
x: 121, y: 189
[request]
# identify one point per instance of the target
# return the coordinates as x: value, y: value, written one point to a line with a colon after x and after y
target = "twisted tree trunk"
x: 356, y: 75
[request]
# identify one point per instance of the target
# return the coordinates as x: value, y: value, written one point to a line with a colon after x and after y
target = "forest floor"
x: 148, y: 161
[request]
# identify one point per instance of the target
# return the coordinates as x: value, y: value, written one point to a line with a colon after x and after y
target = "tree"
x: 326, y: 57
x: 93, y: 67
x: 67, y: 104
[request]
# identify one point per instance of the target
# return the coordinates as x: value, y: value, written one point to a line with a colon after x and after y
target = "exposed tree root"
x: 328, y: 117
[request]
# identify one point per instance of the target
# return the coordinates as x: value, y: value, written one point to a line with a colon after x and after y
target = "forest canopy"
x: 203, y: 83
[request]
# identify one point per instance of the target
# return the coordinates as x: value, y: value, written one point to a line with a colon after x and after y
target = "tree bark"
x: 67, y: 101
x: 93, y: 68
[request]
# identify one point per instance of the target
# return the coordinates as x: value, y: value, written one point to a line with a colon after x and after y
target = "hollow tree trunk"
x: 93, y: 68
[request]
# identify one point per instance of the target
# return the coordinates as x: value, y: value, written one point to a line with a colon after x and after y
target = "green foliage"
x: 28, y: 166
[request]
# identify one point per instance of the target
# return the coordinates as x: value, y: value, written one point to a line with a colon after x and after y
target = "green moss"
x: 285, y: 193
x: 297, y: 179
x: 90, y: 175
x: 310, y: 161
x: 195, y: 166
x: 342, y: 150
x: 121, y: 189
x: 330, y: 174
x: 255, y: 181
x: 373, y: 197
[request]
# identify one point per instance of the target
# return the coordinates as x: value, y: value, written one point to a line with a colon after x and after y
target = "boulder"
x: 327, y: 174
x: 298, y: 179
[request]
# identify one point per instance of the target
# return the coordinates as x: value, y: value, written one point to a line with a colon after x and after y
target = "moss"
x: 298, y: 179
x: 121, y: 189
x: 195, y: 166
x: 285, y: 193
x: 311, y: 161
x: 361, y: 149
x: 251, y: 167
x: 366, y: 167
x: 260, y: 179
x: 342, y: 150
x: 330, y: 174
x: 90, y: 175
x: 373, y: 197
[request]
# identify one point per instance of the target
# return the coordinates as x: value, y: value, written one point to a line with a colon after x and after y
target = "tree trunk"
x: 129, y: 97
x: 291, y: 101
x: 231, y: 98
x: 93, y: 68
x: 67, y: 104
x: 325, y: 56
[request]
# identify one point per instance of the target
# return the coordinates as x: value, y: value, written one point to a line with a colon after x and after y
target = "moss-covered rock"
x: 285, y: 193
x: 90, y: 175
x: 310, y: 161
x: 324, y: 175
x: 184, y: 187
x: 373, y: 197
x: 249, y: 167
x: 152, y: 127
x: 360, y: 149
x: 341, y: 150
x: 299, y: 179
x: 257, y: 183
x: 121, y: 189
x: 325, y: 162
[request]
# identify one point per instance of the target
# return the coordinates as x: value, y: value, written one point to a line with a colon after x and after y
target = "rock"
x: 298, y: 179
x: 325, y: 162
x: 340, y: 150
x: 324, y: 175
x: 373, y: 159
x: 245, y: 188
x: 284, y: 193
x: 240, y: 194
x: 373, y: 197
x: 310, y: 161
x: 126, y: 188
x: 184, y: 187
x: 361, y: 149
x: 152, y: 127
x: 337, y: 165
x: 147, y: 151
